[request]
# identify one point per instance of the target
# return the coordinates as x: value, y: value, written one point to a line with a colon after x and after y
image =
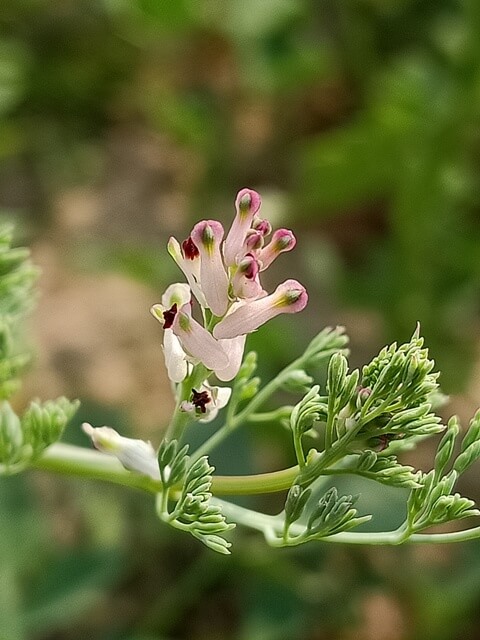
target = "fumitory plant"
x: 359, y: 421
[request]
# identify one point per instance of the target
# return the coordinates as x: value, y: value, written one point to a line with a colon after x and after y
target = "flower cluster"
x: 223, y: 276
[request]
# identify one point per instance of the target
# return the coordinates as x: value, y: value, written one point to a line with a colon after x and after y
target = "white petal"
x: 175, y: 357
x: 197, y: 341
x: 177, y: 293
x: 135, y: 455
x: 190, y: 268
x: 234, y: 348
x: 220, y: 397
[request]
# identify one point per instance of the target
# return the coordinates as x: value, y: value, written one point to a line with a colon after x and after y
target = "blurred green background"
x: 122, y: 122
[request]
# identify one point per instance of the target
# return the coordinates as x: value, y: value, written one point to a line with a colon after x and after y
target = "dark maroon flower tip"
x: 189, y: 249
x: 169, y: 316
x: 200, y: 399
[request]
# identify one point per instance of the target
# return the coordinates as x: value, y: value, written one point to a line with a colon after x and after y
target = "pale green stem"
x: 71, y: 460
x: 281, y: 413
x: 272, y: 527
x: 180, y: 419
x: 330, y: 422
x: 297, y: 443
x: 262, y: 396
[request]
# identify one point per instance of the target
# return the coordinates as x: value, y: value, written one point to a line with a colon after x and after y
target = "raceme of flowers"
x: 224, y: 277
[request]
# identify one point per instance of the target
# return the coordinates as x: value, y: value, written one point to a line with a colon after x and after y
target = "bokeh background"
x: 122, y: 122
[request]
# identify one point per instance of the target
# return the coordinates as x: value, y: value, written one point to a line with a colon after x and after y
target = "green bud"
x: 337, y: 372
x: 446, y: 446
x: 349, y: 389
x: 250, y: 389
x: 167, y: 452
x: 295, y: 503
x: 473, y: 433
x: 297, y: 381
x: 248, y: 366
x: 43, y: 423
x: 467, y: 457
x: 11, y: 438
x: 366, y: 460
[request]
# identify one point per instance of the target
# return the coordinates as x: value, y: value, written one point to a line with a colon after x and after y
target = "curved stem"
x: 72, y: 460
x: 69, y: 459
x: 271, y: 527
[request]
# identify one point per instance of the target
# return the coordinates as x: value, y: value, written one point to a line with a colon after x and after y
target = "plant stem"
x: 68, y: 459
x: 234, y: 422
x: 76, y: 461
x: 180, y: 419
x: 272, y: 528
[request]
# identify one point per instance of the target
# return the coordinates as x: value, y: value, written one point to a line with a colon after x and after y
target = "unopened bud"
x: 135, y: 455
x: 44, y: 423
x: 11, y: 437
x: 297, y: 380
x: 295, y: 503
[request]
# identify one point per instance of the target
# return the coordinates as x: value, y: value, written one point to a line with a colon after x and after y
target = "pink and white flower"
x: 282, y: 240
x: 207, y: 401
x: 207, y: 236
x: 224, y: 277
x: 197, y: 341
x: 247, y: 203
x: 176, y: 295
x: 289, y: 297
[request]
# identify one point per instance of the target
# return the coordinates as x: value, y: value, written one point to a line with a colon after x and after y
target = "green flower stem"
x: 68, y: 459
x: 254, y: 484
x: 260, y: 398
x: 329, y: 457
x: 272, y: 527
x: 71, y: 460
x: 181, y: 419
x: 282, y: 413
x: 299, y: 453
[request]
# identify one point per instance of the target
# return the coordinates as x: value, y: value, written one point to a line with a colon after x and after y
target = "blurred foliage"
x: 359, y: 120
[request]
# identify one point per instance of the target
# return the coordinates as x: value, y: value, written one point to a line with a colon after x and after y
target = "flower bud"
x: 11, y: 437
x: 282, y: 240
x: 289, y: 297
x: 207, y: 236
x: 295, y: 503
x: 297, y: 380
x: 44, y: 423
x: 247, y: 204
x: 135, y: 455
